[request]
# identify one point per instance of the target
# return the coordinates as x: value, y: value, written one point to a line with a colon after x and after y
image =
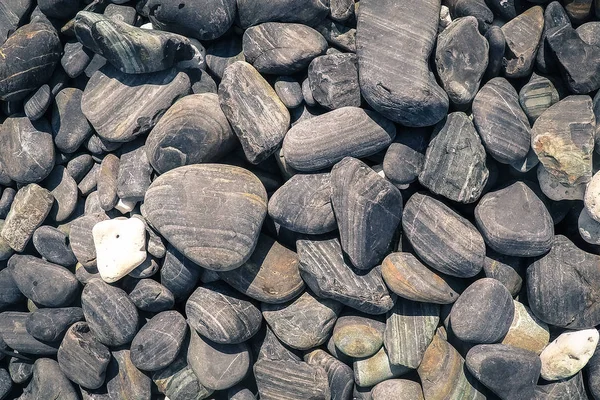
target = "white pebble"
x: 125, y: 206
x: 589, y: 228
x: 568, y: 354
x: 592, y: 197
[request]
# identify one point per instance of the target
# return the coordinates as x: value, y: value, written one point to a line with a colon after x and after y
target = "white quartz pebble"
x: 589, y: 228
x: 568, y: 354
x: 125, y: 206
x: 592, y: 197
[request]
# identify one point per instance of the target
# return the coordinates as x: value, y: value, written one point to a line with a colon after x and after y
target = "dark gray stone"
x: 522, y: 34
x: 404, y: 159
x: 178, y: 382
x: 75, y: 58
x: 497, y: 44
x: 506, y: 10
x: 8, y: 196
x: 121, y: 13
x: 505, y: 269
x: 11, y: 16
x: 476, y: 8
x: 338, y: 34
x: 178, y: 274
x: 37, y: 103
x: 49, y: 382
x: 253, y: 12
x: 333, y: 81
x: 341, y: 377
x: 69, y: 126
x: 20, y: 370
x: 289, y: 91
x: 15, y: 335
x: 555, y: 17
x: 222, y: 53
x: 293, y: 380
x: 59, y: 9
x: 149, y: 295
x: 579, y: 10
x: 50, y: 324
x: 79, y: 166
x: 124, y: 380
x: 9, y: 291
x: 65, y: 192
x: 566, y: 389
x: 133, y: 178
x: 206, y: 84
x: 81, y: 239
x: 107, y: 182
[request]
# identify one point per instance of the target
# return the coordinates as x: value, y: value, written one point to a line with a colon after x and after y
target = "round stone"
x: 358, y: 336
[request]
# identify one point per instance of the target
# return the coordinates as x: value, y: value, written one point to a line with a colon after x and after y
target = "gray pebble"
x: 15, y: 335
x: 49, y: 382
x: 20, y: 370
x: 537, y: 96
x: 307, y: 93
x: 50, y: 324
x: 289, y: 91
x: 65, y: 192
x: 124, y: 380
x: 497, y: 45
x: 404, y: 159
x: 341, y: 377
x: 37, y: 103
x: 523, y: 34
x: 79, y: 166
x: 8, y: 196
x: 107, y: 182
x: 75, y: 58
x: 149, y: 295
x: 69, y: 126
x: 177, y: 381
x: 9, y: 291
x: 334, y: 80
x: 81, y: 239
x: 133, y: 178
x: 222, y: 53
x: 358, y: 336
x: 178, y: 274
x: 292, y: 380
x: 505, y: 269
x: 338, y: 34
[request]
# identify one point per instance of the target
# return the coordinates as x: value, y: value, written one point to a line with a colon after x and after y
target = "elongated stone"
x: 375, y: 369
x: 134, y: 172
x: 333, y: 80
x: 303, y: 323
x: 555, y: 17
x: 14, y: 333
x: 537, y: 96
x: 70, y: 128
x: 20, y: 370
x: 280, y: 48
x: 394, y: 73
x: 253, y: 12
x: 341, y: 378
x: 122, y: 106
x: 497, y: 46
x: 192, y: 131
x: 358, y: 336
x: 177, y: 381
x: 29, y: 57
x: 178, y: 274
x: 324, y: 270
x: 9, y: 291
x: 37, y: 103
x: 293, y: 380
x: 345, y: 132
x: 403, y: 388
x: 8, y: 195
x: 107, y: 182
x: 197, y: 195
x: 50, y: 324
x: 259, y: 119
x: 453, y: 247
x: 455, y: 164
x: 222, y: 53
x: 82, y: 239
x: 79, y: 166
x: 157, y: 344
x: 124, y: 379
x: 523, y: 34
x: 49, y: 380
x: 64, y: 190
x: 591, y: 200
x: 149, y: 295
x: 112, y: 317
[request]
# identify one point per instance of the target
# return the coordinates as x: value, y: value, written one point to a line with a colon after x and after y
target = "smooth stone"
x: 345, y: 132
x: 404, y: 158
x: 9, y: 291
x: 523, y: 34
x: 527, y: 331
x: 333, y: 80
x: 568, y: 354
x: 453, y: 247
x: 497, y: 46
x: 555, y: 190
x: 282, y: 48
x: 206, y: 84
x: 50, y: 324
x: 135, y: 171
x: 592, y: 197
x: 69, y: 126
x: 291, y: 380
x: 149, y: 295
x: 27, y: 151
x: 177, y: 381
x: 589, y: 32
x: 179, y: 274
x: 157, y: 344
x: 397, y: 388
x: 111, y: 315
x: 79, y: 348
x: 8, y: 196
x: 65, y: 192
x: 254, y: 12
x: 229, y: 362
x: 409, y: 329
x: 258, y: 117
x: 514, y: 221
x: 589, y: 228
x: 221, y: 314
x: 5, y: 250
x: 509, y: 372
x: 289, y: 91
x: 455, y: 161
x: 20, y: 370
x: 461, y: 58
x: 75, y: 59
x: 325, y: 272
x: 124, y: 380
x: 33, y: 51
x: 340, y: 376
x: 566, y: 389
x: 79, y: 166
x: 483, y: 313
x: 375, y: 369
x: 395, y: 78
x: 15, y: 335
x: 357, y: 335
x: 505, y: 269
x: 49, y: 381
x: 192, y: 197
x: 120, y: 247
x: 592, y: 376
x: 122, y: 106
x: 82, y: 239
x: 501, y: 122
x: 303, y: 323
x: 555, y: 17
x: 98, y: 146
x: 107, y: 182
x: 222, y: 53
x: 307, y: 93
x: 37, y: 103
x: 537, y: 96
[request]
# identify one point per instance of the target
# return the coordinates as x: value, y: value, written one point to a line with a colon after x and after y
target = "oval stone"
x: 253, y: 12
x: 178, y: 274
x: 358, y: 336
x: 70, y: 128
x: 50, y: 324
x: 14, y: 333
x: 149, y: 295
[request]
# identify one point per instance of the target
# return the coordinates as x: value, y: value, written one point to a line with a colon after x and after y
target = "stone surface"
x: 497, y: 47
x: 555, y: 190
x: 37, y: 103
x: 82, y: 239
x: 289, y: 91
x: 50, y: 324
x: 222, y: 53
x: 134, y: 172
x: 537, y: 96
x: 178, y: 382
x: 293, y: 380
x: 589, y: 228
x: 70, y: 128
x: 357, y: 335
x: 107, y: 182
x: 178, y: 274
x: 75, y: 58
x: 49, y: 380
x: 124, y: 379
x: 64, y: 190
x: 568, y: 354
x: 523, y: 34
x: 10, y: 293
x: 403, y: 388
x: 527, y: 331
x: 253, y: 12
x: 341, y: 378
x: 572, y: 388
x: 149, y: 295
x: 555, y: 17
x: 14, y: 333
x: 333, y: 80
x: 378, y: 368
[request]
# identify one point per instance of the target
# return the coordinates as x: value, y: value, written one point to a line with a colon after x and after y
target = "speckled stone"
x: 357, y: 335
x: 527, y: 331
x: 523, y: 34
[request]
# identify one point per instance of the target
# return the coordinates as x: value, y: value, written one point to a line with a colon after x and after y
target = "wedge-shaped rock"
x: 523, y: 34
x: 70, y: 128
x: 134, y: 172
x: 293, y: 380
x: 333, y: 80
x: 124, y: 379
x: 65, y: 192
x: 341, y: 378
x: 14, y: 333
x: 394, y: 71
x: 253, y: 12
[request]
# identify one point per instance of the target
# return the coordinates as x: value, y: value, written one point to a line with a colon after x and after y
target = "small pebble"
x: 568, y: 354
x: 37, y: 103
x: 333, y: 81
x: 358, y: 335
x: 375, y: 369
x: 149, y: 295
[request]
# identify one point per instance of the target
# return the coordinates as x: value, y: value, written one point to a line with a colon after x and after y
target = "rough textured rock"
x: 196, y: 195
x: 341, y: 378
x: 568, y: 354
x: 70, y: 128
x: 293, y: 380
x: 527, y: 331
x: 253, y: 12
x: 124, y: 379
x: 357, y: 335
x: 537, y: 96
x: 378, y: 368
x: 134, y: 172
x: 178, y: 381
x: 394, y: 74
x: 555, y: 17
x: 523, y: 34
x: 14, y: 333
x: 555, y: 190
x: 333, y: 80
x: 50, y: 324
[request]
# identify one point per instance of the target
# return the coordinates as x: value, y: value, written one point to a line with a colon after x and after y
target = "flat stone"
x: 134, y: 172
x: 179, y: 274
x: 403, y: 388
x: 64, y: 190
x: 333, y: 80
x: 497, y: 47
x: 50, y: 324
x: 453, y: 247
x: 537, y: 96
x: 455, y: 165
x: 149, y: 295
x: 177, y: 381
x: 193, y: 197
x: 322, y: 141
x: 37, y: 103
x: 257, y: 116
x: 124, y: 379
x: 501, y: 122
x: 49, y: 380
x: 253, y: 12
x: 293, y: 380
x: 224, y: 52
x: 394, y: 71
x: 523, y: 34
x: 505, y: 269
x: 555, y: 17
x: 9, y: 293
x: 375, y: 369
x: 568, y: 354
x: 15, y: 335
x: 82, y: 239
x: 70, y: 128
x: 289, y: 91
x: 107, y: 182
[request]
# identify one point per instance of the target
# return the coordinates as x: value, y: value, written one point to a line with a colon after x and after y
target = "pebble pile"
x: 299, y: 199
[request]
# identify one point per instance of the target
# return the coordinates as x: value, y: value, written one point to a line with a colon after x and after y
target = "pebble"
x: 537, y: 96
x: 325, y: 272
x: 556, y: 190
x: 107, y: 182
x: 523, y: 34
x: 149, y: 295
x: 341, y: 377
x: 178, y: 382
x: 404, y: 158
x: 80, y: 348
x: 258, y: 117
x: 289, y: 91
x: 397, y: 388
x: 20, y: 370
x: 8, y: 196
x: 572, y: 388
x: 70, y: 128
x: 292, y: 380
x: 461, y: 58
x: 527, y: 331
x: 509, y: 372
x: 395, y: 78
x: 455, y: 165
x: 375, y: 369
x: 270, y: 348
x: 222, y: 53
x: 64, y: 190
x: 500, y: 121
x: 49, y: 382
x: 333, y: 80
x: 157, y: 344
x: 51, y: 324
x: 10, y: 293
x: 497, y: 46
x: 592, y: 374
x: 146, y: 269
x: 82, y: 239
x: 15, y: 335
x: 320, y: 142
x: 194, y: 130
x: 357, y: 335
x: 254, y: 12
x: 592, y: 197
x: 282, y: 48
x: 37, y: 103
x: 124, y: 379
x: 75, y: 59
x: 134, y: 172
x: 110, y: 314
x: 120, y: 247
x: 555, y: 17
x: 178, y: 274
x: 304, y: 323
x: 79, y: 166
x: 506, y: 269
x: 589, y: 228
x: 568, y: 354
x: 221, y: 314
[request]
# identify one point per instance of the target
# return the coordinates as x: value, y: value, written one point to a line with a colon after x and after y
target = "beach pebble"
x: 107, y: 182
x: 375, y: 369
x: 397, y: 388
x: 134, y: 173
x: 497, y: 46
x: 14, y: 334
x: 124, y: 379
x: 568, y: 354
x: 50, y: 324
x: 289, y: 379
x: 254, y: 12
x: 177, y: 381
x: 289, y: 91
x: 20, y: 370
x: 49, y: 380
x: 37, y: 103
x: 70, y: 128
x: 222, y: 53
x: 64, y: 190
x: 404, y: 158
x: 572, y: 388
x: 178, y: 274
x: 358, y: 335
x: 333, y: 80
x: 522, y: 35
x: 82, y: 240
x: 149, y: 295
x: 10, y: 293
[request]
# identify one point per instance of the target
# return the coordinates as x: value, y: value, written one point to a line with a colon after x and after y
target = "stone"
x: 341, y: 10
x: 289, y: 91
x: 568, y: 354
x: 98, y: 146
x: 303, y: 323
x: 82, y: 239
x: 33, y: 51
x: 500, y: 121
x: 289, y: 379
x: 177, y: 381
x: 221, y: 314
x: 455, y: 161
x: 222, y: 53
x: 497, y: 47
x: 57, y: 288
x: 146, y: 269
x: 325, y: 272
x: 122, y: 106
x: 178, y: 274
x: 120, y: 247
x: 79, y: 166
x: 375, y: 369
x: 509, y: 372
x: 75, y: 59
x: 461, y: 58
x: 340, y: 376
x: 592, y: 374
x: 333, y: 80
x: 111, y: 316
x: 404, y: 158
x: 589, y: 228
x: 453, y: 247
x: 555, y: 190
x: 589, y: 32
x: 20, y: 370
x: 229, y: 362
x: 37, y: 103
x: 124, y: 379
x: 157, y: 344
x: 196, y: 196
x: 307, y: 93
x: 28, y: 211
x: 592, y: 196
x: 12, y: 15
x: 194, y: 130
x: 523, y: 34
x: 572, y: 388
x: 149, y: 295
x: 506, y: 10
x: 27, y: 151
x: 394, y: 73
x: 282, y: 48
x: 527, y: 331
x: 70, y: 128
x: 254, y: 12
x: 60, y: 9
x: 572, y: 272
x: 537, y: 96
x: 206, y: 84
x: 259, y: 119
x: 49, y: 380
x: 134, y: 172
x: 8, y: 196
x: 107, y: 182
x: 79, y: 348
x: 65, y: 192
x: 505, y: 269
x: 403, y: 388
x: 409, y: 329
x: 9, y: 293
x: 345, y: 132
x: 51, y: 324
x: 267, y: 346
x: 357, y: 335
x: 555, y: 17
x: 15, y: 335
x: 5, y: 250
